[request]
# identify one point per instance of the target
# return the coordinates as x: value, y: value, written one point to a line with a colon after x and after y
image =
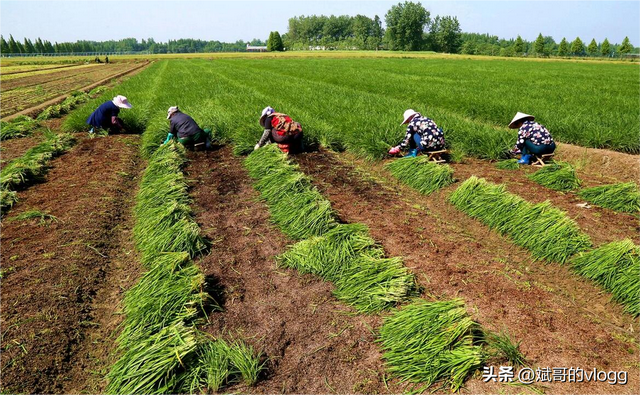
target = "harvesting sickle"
x: 422, y: 135
x: 106, y: 115
x: 533, y: 138
x: 186, y: 130
x: 281, y: 129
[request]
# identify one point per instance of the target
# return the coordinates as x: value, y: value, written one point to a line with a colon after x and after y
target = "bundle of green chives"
x: 559, y: 176
x: 430, y: 342
x: 623, y: 197
x: 546, y: 231
x: 508, y: 164
x: 427, y: 177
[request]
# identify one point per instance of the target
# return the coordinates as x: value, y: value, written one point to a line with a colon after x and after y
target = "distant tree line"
x: 125, y: 45
x: 409, y: 27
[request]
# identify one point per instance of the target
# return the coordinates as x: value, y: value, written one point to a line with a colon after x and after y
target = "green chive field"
x: 133, y: 266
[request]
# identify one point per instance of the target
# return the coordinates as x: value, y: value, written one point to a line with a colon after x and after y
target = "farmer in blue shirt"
x: 106, y: 116
x: 533, y: 138
x: 422, y: 135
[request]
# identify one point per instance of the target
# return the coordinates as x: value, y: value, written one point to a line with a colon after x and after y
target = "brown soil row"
x: 62, y: 280
x: 48, y: 78
x: 561, y: 319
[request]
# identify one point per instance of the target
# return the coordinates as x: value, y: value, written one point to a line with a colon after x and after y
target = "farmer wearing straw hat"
x: 281, y: 129
x: 106, y: 116
x: 422, y: 135
x: 533, y: 138
x: 185, y: 129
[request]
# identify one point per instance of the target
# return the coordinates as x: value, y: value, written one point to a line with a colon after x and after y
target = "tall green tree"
x: 4, y: 45
x: 270, y: 42
x: 592, y: 48
x: 519, y: 46
x: 539, y: 45
x: 577, y: 47
x: 277, y: 42
x: 563, y: 49
x: 405, y: 25
x: 445, y: 34
x: 28, y: 46
x: 377, y: 33
x: 626, y: 46
x: 14, y: 46
x: 605, y: 48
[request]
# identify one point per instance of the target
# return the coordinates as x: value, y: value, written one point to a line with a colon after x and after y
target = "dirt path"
x: 601, y: 224
x: 561, y: 320
x: 62, y: 280
x: 611, y: 166
x: 314, y: 343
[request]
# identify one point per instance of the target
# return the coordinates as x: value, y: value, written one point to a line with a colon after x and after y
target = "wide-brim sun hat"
x: 121, y: 102
x: 520, y: 116
x: 172, y: 110
x: 408, y: 115
x: 265, y: 113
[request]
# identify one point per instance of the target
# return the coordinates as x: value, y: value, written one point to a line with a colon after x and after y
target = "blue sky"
x: 234, y: 20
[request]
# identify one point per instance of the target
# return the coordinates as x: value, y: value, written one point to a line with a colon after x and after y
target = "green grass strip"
x: 541, y: 228
x: 295, y: 205
x: 427, y: 177
x: 623, y: 197
x: 429, y: 342
x: 508, y: 164
x: 559, y: 176
x: 616, y: 267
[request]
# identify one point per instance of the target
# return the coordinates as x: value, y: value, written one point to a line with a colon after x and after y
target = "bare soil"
x: 62, y: 279
x: 609, y: 166
x: 561, y: 319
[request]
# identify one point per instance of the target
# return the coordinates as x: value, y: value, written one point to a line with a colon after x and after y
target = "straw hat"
x: 172, y: 110
x: 408, y: 115
x: 520, y: 116
x: 121, y: 102
x: 265, y: 113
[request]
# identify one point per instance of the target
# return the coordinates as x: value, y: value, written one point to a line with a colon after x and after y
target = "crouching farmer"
x: 533, y: 138
x: 423, y: 135
x: 280, y: 129
x: 185, y: 129
x: 106, y: 116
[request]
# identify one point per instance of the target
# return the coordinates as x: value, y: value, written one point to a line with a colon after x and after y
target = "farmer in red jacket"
x: 281, y: 129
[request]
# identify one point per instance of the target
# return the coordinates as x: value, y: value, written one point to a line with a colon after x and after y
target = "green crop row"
x: 616, y: 267
x: 30, y: 166
x: 420, y: 174
x: 623, y: 197
x: 546, y: 231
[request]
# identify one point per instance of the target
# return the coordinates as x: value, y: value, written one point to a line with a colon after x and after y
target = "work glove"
x: 394, y: 151
x: 256, y: 147
x: 169, y: 137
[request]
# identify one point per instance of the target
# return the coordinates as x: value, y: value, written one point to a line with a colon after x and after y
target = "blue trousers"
x: 530, y: 148
x: 416, y: 142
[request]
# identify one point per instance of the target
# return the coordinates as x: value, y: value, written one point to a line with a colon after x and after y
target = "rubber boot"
x: 412, y: 153
x: 525, y: 160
